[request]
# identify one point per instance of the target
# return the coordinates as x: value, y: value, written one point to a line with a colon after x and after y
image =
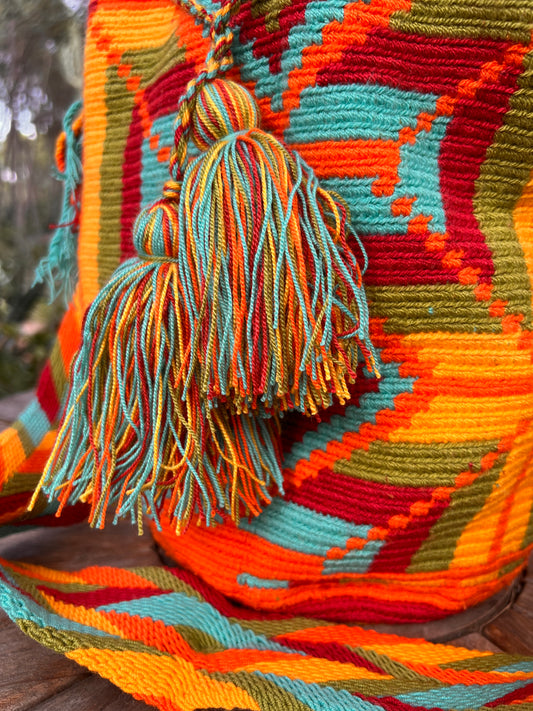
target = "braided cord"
x: 218, y: 61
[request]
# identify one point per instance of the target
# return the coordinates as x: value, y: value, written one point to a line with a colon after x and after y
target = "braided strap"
x: 218, y: 61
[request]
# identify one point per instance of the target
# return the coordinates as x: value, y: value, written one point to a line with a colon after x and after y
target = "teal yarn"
x: 133, y: 436
x: 58, y: 269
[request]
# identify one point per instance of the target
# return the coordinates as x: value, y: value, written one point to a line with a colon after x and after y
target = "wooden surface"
x: 37, y: 679
x: 33, y: 677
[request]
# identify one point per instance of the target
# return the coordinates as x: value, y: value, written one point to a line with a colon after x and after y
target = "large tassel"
x: 245, y: 301
x: 273, y: 291
x: 58, y: 269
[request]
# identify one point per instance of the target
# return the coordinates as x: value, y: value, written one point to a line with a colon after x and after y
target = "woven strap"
x: 175, y: 643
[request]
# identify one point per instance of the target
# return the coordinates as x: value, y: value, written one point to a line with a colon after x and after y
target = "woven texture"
x: 172, y: 641
x: 414, y: 500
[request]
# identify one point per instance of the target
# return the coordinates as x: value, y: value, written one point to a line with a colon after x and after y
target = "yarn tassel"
x: 132, y: 435
x: 58, y: 268
x: 273, y: 292
x: 245, y: 301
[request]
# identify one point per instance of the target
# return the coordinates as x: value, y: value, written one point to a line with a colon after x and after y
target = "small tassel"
x: 132, y: 433
x: 245, y: 301
x: 58, y: 269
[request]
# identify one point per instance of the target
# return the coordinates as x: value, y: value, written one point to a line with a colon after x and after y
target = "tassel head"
x: 155, y: 232
x: 223, y: 107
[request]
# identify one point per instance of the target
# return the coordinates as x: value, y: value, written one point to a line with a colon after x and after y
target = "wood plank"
x: 524, y: 604
x: 512, y: 632
x: 475, y: 640
x: 79, y: 546
x: 31, y: 673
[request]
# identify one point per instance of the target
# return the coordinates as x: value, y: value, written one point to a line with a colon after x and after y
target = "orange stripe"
x: 147, y: 676
x: 396, y: 647
x: 355, y: 158
x: 12, y: 454
x: 116, y: 577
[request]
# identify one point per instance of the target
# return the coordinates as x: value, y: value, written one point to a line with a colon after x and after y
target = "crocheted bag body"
x: 414, y: 500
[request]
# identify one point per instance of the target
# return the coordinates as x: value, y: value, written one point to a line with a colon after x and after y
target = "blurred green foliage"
x: 40, y: 75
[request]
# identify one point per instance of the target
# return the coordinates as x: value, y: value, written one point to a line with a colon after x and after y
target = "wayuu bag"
x: 299, y: 341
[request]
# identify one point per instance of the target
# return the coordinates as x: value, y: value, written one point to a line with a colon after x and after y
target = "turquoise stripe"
x: 420, y: 176
x: 340, y: 112
x: 318, y: 14
x: 390, y: 386
x: 255, y: 69
x: 460, y: 696
x: 252, y: 581
x: 154, y: 173
x: 355, y: 561
x: 370, y: 214
x: 35, y: 422
x: 297, y: 528
x: 321, y: 698
x: 19, y: 607
x: 178, y: 609
x: 522, y: 666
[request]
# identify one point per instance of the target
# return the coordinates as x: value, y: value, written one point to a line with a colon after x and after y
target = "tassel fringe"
x: 273, y: 292
x: 131, y: 435
x: 58, y: 269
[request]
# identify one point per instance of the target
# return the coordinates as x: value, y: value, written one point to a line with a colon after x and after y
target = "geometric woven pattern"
x: 424, y: 479
x: 175, y: 643
x: 414, y: 500
x: 419, y: 115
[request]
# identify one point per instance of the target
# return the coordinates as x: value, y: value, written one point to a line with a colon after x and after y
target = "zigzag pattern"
x: 415, y: 499
x: 175, y: 643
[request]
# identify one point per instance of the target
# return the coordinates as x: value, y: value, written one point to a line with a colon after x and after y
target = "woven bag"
x: 409, y: 503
